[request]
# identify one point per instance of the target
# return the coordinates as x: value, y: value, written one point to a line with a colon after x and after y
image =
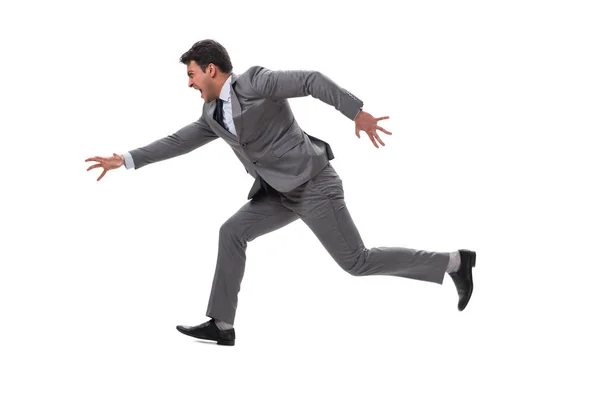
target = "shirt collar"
x: 226, y: 90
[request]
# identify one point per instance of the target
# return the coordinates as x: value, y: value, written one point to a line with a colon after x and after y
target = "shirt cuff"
x: 128, y: 160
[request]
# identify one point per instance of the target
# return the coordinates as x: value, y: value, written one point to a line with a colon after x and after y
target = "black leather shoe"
x: 209, y: 331
x: 463, y: 278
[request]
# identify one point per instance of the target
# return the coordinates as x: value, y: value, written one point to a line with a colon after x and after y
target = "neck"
x: 221, y: 81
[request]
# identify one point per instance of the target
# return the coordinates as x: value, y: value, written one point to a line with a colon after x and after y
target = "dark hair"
x: 208, y: 51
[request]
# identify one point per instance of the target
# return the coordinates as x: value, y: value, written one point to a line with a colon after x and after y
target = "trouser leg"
x: 320, y: 204
x: 263, y: 214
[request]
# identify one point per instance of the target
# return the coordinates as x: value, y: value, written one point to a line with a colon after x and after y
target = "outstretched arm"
x: 183, y: 141
x: 297, y: 83
x: 186, y: 139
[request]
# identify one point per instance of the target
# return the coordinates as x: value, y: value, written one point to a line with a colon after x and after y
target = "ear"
x: 214, y: 70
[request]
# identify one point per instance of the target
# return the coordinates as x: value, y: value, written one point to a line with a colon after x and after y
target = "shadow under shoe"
x: 209, y: 331
x: 463, y: 277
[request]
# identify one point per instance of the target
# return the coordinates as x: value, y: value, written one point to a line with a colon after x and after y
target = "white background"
x: 494, y: 112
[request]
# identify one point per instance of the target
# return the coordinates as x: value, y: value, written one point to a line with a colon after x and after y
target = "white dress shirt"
x: 227, y: 110
x: 225, y: 95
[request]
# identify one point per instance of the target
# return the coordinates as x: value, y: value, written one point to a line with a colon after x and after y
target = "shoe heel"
x: 226, y: 342
x: 472, y: 255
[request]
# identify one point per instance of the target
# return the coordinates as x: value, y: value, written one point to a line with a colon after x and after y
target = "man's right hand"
x: 107, y: 163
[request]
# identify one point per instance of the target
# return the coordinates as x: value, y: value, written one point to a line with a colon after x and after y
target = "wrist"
x: 360, y: 110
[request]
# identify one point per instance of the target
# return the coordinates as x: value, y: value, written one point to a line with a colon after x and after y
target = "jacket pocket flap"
x: 288, y: 145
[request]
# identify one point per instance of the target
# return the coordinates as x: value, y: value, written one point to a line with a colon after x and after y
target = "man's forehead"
x: 192, y: 67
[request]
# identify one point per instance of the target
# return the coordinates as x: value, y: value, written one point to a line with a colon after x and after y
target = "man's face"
x: 202, y: 81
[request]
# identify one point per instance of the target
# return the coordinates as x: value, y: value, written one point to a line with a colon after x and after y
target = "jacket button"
x: 243, y: 144
x: 254, y: 162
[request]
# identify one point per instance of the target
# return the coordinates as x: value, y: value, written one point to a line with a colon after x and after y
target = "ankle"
x: 222, y: 325
x: 453, y: 262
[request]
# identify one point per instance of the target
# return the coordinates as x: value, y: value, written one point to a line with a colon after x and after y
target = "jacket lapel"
x: 235, y: 106
x: 236, y: 111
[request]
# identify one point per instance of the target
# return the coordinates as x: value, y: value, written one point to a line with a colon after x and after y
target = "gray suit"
x: 303, y: 184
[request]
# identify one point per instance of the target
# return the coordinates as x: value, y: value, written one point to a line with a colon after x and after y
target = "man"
x: 293, y: 178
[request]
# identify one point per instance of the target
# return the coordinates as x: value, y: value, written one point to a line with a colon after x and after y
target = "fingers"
x: 374, y: 142
x: 375, y: 138
x: 95, y: 166
x: 103, y: 173
x: 380, y: 128
x: 373, y: 133
x: 378, y: 138
x: 384, y: 130
x: 371, y: 136
x: 98, y: 159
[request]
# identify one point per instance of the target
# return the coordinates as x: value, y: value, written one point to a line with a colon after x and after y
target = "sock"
x: 222, y: 325
x: 454, y: 262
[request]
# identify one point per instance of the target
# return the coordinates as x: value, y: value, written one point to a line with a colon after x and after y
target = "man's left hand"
x: 366, y: 122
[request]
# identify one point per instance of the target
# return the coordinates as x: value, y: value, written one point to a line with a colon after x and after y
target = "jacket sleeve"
x: 296, y: 83
x: 186, y: 139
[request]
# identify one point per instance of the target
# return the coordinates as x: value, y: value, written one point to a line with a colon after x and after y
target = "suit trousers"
x: 320, y: 204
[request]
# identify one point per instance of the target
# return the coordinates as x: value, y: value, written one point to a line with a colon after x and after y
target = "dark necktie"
x: 219, y: 113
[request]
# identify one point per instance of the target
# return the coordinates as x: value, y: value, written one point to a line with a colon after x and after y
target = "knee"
x: 355, y: 265
x: 229, y: 230
x: 354, y: 271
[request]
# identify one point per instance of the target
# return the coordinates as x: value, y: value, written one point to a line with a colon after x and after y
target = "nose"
x: 190, y: 83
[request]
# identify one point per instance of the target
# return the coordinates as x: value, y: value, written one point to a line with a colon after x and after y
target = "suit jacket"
x: 269, y: 141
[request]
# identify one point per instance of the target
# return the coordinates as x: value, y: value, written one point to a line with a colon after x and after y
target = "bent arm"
x: 186, y: 139
x: 296, y: 83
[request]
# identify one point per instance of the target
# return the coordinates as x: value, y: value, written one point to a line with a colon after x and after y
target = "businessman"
x: 293, y: 178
